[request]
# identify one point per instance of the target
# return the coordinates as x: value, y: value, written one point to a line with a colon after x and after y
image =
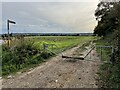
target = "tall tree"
x: 106, y: 17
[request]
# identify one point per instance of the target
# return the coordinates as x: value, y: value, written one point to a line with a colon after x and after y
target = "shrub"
x: 20, y: 56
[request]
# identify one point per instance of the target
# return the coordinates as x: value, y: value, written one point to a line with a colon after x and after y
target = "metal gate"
x: 99, y: 50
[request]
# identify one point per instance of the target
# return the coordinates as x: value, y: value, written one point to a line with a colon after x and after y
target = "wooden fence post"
x: 101, y: 54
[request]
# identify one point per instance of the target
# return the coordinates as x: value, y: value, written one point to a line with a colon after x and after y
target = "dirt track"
x: 58, y: 73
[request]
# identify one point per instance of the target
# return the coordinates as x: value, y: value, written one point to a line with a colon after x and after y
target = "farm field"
x: 30, y: 51
x: 60, y: 43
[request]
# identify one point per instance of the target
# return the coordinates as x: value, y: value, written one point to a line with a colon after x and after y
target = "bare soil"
x: 59, y: 73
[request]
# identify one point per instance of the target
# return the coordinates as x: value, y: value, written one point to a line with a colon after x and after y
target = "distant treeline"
x: 49, y: 34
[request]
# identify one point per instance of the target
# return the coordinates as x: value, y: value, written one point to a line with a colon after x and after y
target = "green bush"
x: 21, y: 56
x: 45, y: 54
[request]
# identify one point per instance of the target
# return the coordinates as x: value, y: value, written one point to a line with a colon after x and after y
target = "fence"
x: 100, y: 53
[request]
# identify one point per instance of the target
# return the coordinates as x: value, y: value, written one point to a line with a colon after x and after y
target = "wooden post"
x: 8, y: 34
x: 112, y: 56
x: 101, y: 54
x: 44, y: 47
x: 8, y: 27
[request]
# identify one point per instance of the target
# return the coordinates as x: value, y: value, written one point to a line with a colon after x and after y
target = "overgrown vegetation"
x: 108, y: 16
x: 20, y: 56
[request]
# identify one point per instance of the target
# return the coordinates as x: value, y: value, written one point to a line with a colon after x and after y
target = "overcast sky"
x: 61, y: 17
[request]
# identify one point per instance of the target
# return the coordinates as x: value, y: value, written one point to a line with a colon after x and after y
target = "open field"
x: 61, y: 42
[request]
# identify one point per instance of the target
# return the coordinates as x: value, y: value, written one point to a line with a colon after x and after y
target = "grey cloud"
x: 66, y: 16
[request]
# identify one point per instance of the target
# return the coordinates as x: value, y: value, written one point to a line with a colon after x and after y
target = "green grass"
x: 106, y: 52
x: 61, y: 42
